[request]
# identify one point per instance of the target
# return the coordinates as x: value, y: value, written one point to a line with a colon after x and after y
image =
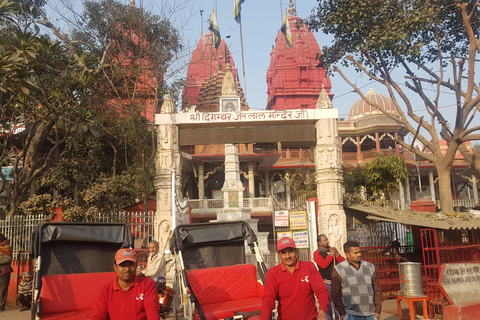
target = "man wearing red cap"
x: 128, y: 297
x: 293, y: 284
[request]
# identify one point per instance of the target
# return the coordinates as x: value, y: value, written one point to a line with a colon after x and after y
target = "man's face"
x: 153, y: 248
x: 288, y: 256
x: 355, y: 255
x: 126, y: 270
x: 323, y: 242
x: 27, y: 279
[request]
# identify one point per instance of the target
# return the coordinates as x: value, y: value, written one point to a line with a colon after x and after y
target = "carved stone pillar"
x: 359, y: 149
x: 251, y: 180
x: 432, y: 185
x: 233, y: 197
x: 328, y: 173
x: 201, y: 181
x: 168, y: 173
x: 377, y: 142
x: 232, y: 187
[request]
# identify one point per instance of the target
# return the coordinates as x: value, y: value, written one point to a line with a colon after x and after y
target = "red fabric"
x: 294, y: 292
x: 61, y: 294
x: 139, y: 302
x: 324, y: 263
x: 222, y: 291
x: 73, y: 315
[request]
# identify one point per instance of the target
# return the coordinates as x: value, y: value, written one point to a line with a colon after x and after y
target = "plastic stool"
x: 412, y: 305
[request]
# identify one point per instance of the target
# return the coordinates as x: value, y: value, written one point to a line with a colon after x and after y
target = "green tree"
x: 384, y: 173
x: 354, y: 178
x: 133, y: 50
x: 424, y: 39
x: 302, y: 183
x: 42, y: 88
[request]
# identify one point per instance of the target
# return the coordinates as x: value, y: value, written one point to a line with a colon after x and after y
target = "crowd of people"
x: 346, y: 288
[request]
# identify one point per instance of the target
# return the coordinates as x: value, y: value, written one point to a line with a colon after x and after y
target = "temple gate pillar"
x: 166, y: 182
x: 328, y: 173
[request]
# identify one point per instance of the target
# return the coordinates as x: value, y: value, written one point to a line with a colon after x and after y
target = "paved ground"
x: 389, y: 312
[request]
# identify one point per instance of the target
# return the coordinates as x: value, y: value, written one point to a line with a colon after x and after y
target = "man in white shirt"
x: 156, y: 264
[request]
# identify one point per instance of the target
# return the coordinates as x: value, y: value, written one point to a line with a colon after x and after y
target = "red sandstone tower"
x: 205, y: 75
x: 293, y: 79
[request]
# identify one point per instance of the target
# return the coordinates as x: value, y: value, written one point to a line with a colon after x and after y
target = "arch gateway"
x: 231, y: 127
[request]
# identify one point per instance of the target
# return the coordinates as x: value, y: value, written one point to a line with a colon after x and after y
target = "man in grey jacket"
x: 355, y: 288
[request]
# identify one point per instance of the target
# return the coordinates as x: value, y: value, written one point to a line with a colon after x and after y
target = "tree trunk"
x: 32, y: 162
x: 445, y: 188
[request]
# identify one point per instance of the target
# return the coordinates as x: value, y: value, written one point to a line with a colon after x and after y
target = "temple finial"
x: 291, y: 9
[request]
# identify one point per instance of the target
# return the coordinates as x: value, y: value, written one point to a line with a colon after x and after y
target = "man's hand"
x: 377, y: 315
x: 332, y: 249
x: 322, y: 315
x: 343, y: 317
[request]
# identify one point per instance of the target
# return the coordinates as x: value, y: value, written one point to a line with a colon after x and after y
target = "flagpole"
x: 243, y: 59
x: 285, y: 82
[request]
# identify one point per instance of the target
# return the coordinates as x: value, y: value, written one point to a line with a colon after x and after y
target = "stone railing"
x: 467, y: 203
x: 211, y: 205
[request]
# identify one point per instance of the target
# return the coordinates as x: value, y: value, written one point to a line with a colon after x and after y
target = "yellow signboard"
x: 298, y: 220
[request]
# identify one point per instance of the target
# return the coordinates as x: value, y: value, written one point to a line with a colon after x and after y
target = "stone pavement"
x: 389, y: 312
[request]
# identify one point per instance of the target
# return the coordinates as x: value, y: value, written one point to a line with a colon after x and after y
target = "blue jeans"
x: 352, y: 317
x: 332, y: 313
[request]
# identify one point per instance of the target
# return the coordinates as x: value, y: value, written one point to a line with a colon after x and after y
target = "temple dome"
x: 206, y: 61
x: 361, y: 108
x: 302, y: 82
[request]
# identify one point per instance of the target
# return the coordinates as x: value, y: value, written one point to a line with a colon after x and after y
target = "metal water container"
x: 410, y: 278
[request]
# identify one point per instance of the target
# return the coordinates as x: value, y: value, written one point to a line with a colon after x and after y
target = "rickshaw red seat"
x: 223, y: 290
x: 71, y: 296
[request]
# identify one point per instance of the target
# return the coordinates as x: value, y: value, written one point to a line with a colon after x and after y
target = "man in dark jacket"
x: 326, y: 258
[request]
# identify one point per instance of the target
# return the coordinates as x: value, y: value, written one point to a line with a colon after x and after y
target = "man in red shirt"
x: 128, y: 297
x: 326, y: 258
x: 293, y: 283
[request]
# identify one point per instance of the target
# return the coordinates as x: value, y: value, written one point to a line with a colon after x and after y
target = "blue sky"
x: 261, y: 21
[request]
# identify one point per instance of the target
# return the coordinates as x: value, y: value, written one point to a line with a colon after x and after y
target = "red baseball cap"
x: 285, y: 242
x: 125, y: 255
